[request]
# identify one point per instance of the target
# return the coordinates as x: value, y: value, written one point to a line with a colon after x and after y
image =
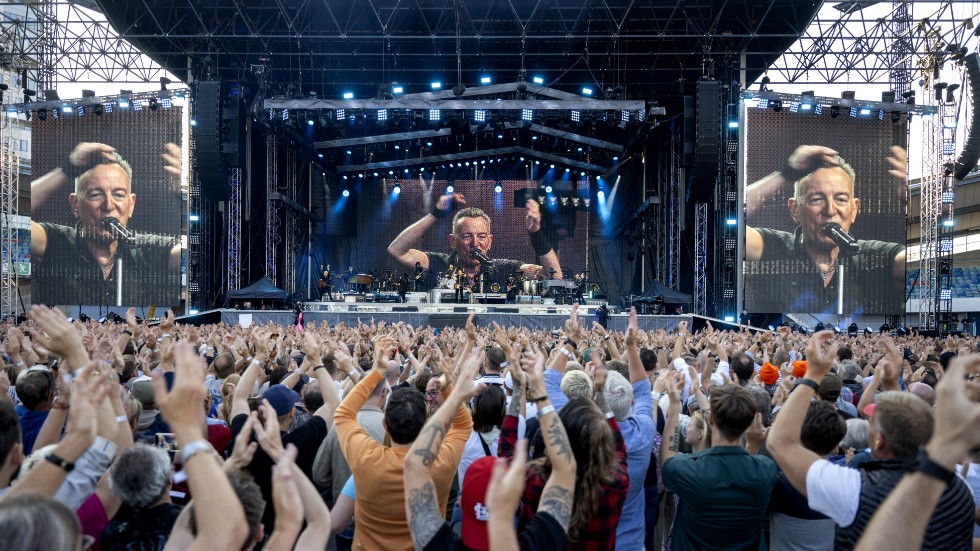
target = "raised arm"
x: 559, y: 491
x: 607, y: 339
x: 402, y: 248
x: 312, y: 362
x: 422, y: 506
x: 239, y: 400
x: 672, y: 431
x: 218, y: 512
x: 900, y: 523
x: 784, y: 443
x: 637, y: 373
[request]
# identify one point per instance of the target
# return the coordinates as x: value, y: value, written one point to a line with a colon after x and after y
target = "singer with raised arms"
x: 83, y: 261
x: 470, y: 242
x: 803, y: 264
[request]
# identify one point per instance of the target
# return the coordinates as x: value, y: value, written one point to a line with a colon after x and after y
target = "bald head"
x: 924, y: 391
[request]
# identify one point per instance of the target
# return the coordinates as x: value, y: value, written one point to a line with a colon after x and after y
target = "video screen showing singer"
x: 797, y: 271
x: 470, y: 241
x: 79, y: 264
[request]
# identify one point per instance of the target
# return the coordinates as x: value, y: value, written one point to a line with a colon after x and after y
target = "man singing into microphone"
x: 79, y: 264
x: 797, y: 271
x: 470, y: 241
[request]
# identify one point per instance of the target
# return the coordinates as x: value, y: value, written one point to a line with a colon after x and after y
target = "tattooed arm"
x: 672, y: 430
x: 422, y: 506
x: 559, y: 491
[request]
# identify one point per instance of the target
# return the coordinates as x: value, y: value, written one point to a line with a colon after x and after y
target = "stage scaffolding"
x: 9, y: 184
x: 271, y: 212
x: 701, y: 259
x: 235, y: 229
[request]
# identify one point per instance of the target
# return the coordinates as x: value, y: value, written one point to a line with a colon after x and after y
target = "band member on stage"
x: 580, y: 284
x: 461, y: 283
x: 419, y: 277
x: 326, y: 283
x: 470, y: 242
x: 512, y: 290
x: 403, y: 285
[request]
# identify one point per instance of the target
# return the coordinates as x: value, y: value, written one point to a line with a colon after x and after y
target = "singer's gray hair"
x: 469, y: 212
x: 840, y: 163
x: 116, y: 160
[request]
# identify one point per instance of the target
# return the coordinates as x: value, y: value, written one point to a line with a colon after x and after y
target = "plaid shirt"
x: 600, y: 532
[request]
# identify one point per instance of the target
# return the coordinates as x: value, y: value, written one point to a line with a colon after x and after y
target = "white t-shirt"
x: 473, y: 449
x: 834, y: 491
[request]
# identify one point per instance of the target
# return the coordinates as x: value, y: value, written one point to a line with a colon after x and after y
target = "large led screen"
x: 825, y: 195
x: 105, y: 207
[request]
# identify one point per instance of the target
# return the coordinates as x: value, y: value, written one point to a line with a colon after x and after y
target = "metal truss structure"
x: 57, y: 41
x: 930, y: 209
x: 9, y: 184
x: 291, y: 228
x: 701, y: 259
x: 676, y: 189
x: 873, y: 42
x: 271, y: 208
x: 235, y: 229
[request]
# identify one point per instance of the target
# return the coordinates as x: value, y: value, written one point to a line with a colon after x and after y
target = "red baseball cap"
x: 473, y: 503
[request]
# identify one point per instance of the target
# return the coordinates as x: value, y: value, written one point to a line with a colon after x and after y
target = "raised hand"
x: 532, y: 220
x: 818, y: 362
x: 57, y: 335
x: 632, y: 328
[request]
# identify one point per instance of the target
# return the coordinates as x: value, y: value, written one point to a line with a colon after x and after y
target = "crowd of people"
x: 389, y: 436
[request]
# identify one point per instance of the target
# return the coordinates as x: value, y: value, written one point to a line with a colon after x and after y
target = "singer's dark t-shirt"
x: 498, y: 272
x: 785, y: 279
x: 69, y: 274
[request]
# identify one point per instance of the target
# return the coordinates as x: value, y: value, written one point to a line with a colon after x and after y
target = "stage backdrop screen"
x: 383, y: 215
x: 806, y: 171
x: 75, y: 258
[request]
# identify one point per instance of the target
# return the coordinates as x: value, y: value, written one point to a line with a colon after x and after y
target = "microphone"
x: 478, y: 254
x: 844, y: 240
x: 118, y: 230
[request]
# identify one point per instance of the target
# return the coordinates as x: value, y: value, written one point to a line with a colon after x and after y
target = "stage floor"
x: 532, y: 316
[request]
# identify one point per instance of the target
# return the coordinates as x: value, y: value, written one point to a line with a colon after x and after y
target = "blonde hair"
x: 576, y: 384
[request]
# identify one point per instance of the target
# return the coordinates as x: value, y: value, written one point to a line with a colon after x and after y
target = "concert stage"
x: 532, y: 316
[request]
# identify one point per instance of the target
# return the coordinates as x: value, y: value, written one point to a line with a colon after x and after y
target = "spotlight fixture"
x: 498, y: 188
x: 764, y: 84
x: 459, y: 90
x: 28, y: 94
x: 51, y: 95
x: 896, y: 116
x: 586, y: 91
x: 154, y: 104
x: 950, y: 98
x: 847, y: 94
x: 436, y: 85
x: 164, y: 81
x: 345, y: 193
x: 98, y: 109
x: 834, y: 111
x: 485, y: 80
x: 777, y: 105
x: 397, y: 189
x: 888, y: 96
x: 538, y: 80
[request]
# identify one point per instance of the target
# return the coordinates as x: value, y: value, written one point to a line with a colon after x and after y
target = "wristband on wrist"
x: 930, y: 468
x: 606, y: 338
x: 571, y: 342
x: 440, y: 214
x: 791, y: 174
x: 546, y: 410
x: 68, y: 466
x: 193, y: 448
x: 351, y: 373
x: 71, y: 171
x: 122, y: 419
x: 806, y: 382
x: 537, y: 399
x: 21, y: 363
x: 609, y: 415
x: 569, y: 355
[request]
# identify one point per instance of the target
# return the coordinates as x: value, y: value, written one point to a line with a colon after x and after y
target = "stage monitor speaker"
x: 504, y: 310
x: 707, y: 140
x: 968, y: 158
x: 404, y: 308
x: 209, y: 162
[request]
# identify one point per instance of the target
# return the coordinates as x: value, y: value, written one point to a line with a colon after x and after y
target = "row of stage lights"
x: 498, y: 188
x: 807, y: 104
x: 97, y: 109
x: 480, y: 116
x: 462, y: 165
x: 396, y: 89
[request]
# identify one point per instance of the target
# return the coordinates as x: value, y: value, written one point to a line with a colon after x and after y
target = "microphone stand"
x: 840, y: 282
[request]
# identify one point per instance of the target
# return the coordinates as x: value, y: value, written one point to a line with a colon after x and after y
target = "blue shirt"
x: 552, y: 385
x: 30, y: 426
x: 724, y: 494
x: 638, y: 431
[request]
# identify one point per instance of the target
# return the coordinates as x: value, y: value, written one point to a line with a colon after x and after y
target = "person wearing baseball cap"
x: 473, y: 503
